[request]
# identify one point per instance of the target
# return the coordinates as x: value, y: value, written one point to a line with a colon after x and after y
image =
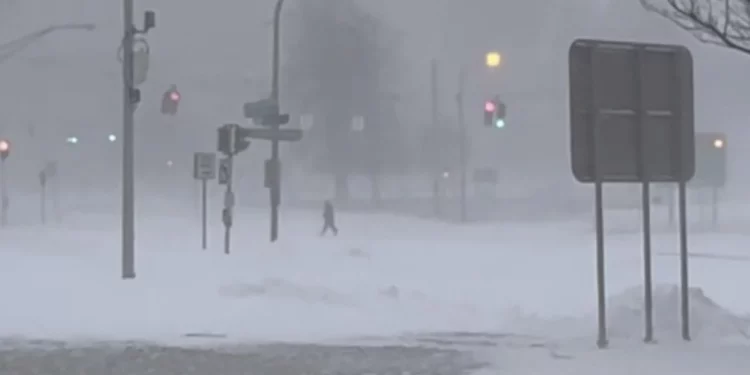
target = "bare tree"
x: 721, y: 22
x: 339, y: 65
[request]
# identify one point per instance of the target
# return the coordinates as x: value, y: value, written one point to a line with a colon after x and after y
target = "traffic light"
x: 4, y: 149
x: 233, y: 139
x: 500, y: 115
x: 494, y: 113
x: 226, y: 137
x: 170, y: 101
x: 489, y: 112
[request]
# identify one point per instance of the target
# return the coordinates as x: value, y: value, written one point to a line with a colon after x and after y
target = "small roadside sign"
x: 204, y: 166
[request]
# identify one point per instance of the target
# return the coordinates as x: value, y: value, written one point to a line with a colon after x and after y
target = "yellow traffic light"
x: 493, y: 59
x: 719, y: 143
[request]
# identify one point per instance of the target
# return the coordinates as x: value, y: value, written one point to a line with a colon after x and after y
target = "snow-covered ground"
x: 383, y: 276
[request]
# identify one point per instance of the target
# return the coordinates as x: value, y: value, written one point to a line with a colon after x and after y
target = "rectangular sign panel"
x: 631, y: 106
x: 204, y: 166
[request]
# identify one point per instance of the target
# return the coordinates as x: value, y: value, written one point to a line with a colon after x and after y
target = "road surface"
x: 118, y: 358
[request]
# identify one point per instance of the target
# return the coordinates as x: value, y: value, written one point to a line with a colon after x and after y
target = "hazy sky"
x: 217, y: 52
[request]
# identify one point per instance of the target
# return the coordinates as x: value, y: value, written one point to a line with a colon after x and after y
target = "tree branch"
x: 720, y: 22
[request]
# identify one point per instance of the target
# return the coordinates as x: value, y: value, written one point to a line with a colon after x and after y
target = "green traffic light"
x: 500, y: 123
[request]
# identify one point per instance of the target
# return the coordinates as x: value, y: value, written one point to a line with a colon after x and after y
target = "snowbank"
x: 625, y: 319
x: 708, y: 320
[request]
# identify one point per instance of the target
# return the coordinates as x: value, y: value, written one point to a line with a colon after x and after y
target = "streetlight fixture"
x: 493, y: 59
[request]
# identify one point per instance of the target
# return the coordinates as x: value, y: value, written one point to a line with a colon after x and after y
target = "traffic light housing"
x: 489, y: 112
x: 494, y: 113
x: 225, y: 143
x: 500, y: 115
x: 232, y: 139
x: 170, y: 102
x: 4, y: 149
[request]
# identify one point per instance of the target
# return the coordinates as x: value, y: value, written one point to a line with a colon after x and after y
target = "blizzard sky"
x: 217, y: 52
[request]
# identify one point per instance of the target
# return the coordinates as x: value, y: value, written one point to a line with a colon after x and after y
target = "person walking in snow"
x: 329, y: 219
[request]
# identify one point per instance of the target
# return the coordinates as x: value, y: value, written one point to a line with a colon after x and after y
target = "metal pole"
x: 4, y: 195
x: 204, y: 213
x: 204, y: 208
x: 602, y: 341
x: 56, y: 198
x: 128, y: 185
x: 645, y: 175
x: 276, y: 184
x: 684, y: 283
x: 43, y: 203
x: 13, y: 47
x: 648, y: 304
x: 464, y: 141
x: 228, y: 207
x: 715, y: 207
x: 437, y: 132
x: 227, y: 232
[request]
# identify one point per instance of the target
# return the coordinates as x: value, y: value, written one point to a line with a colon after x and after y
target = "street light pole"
x: 11, y: 48
x: 276, y: 186
x: 464, y: 140
x: 128, y: 155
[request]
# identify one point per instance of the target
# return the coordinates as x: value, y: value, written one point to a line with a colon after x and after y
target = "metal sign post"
x: 631, y: 118
x: 204, y: 169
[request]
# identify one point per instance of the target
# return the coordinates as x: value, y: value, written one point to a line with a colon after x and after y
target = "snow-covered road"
x: 384, y: 281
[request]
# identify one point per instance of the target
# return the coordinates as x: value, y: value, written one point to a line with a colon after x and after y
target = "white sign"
x: 225, y: 171
x: 204, y: 166
x: 358, y: 123
x: 306, y: 122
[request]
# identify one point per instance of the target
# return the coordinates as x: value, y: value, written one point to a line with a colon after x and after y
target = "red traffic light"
x: 174, y: 96
x: 4, y: 146
x: 489, y: 106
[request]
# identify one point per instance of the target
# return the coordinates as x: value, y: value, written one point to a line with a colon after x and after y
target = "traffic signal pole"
x: 130, y: 98
x: 128, y: 175
x: 276, y: 185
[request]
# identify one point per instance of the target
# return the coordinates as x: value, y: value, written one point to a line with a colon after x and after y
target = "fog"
x: 218, y: 54
x: 415, y: 282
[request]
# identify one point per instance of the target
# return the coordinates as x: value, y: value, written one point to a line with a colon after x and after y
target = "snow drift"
x: 708, y: 320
